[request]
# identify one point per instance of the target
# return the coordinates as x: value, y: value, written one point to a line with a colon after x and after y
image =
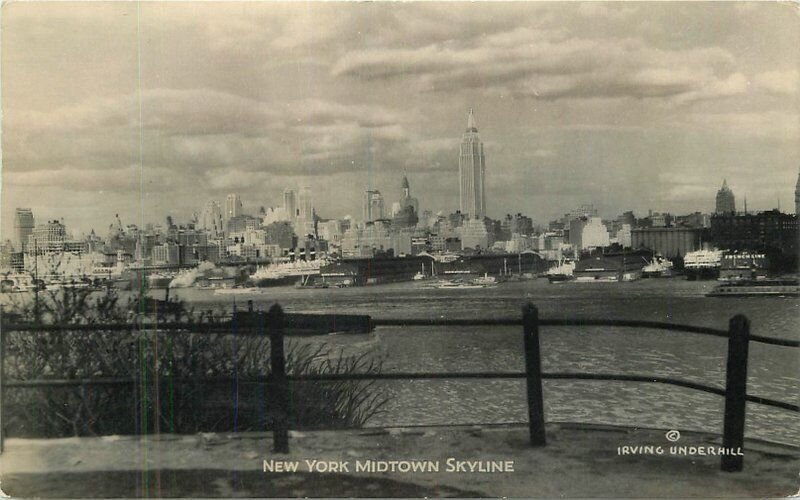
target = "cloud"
x: 216, y: 137
x: 111, y: 180
x: 252, y: 97
x: 549, y: 64
x: 543, y: 153
x: 775, y: 125
x: 779, y: 82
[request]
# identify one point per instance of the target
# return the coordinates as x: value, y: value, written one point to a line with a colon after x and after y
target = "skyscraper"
x: 211, y: 219
x: 305, y: 213
x: 23, y: 227
x: 289, y: 203
x: 726, y: 203
x: 48, y: 238
x: 373, y: 205
x: 405, y: 213
x: 407, y: 200
x: 472, y: 172
x: 233, y: 206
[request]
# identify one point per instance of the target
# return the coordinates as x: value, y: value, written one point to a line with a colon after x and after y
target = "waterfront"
x: 774, y: 372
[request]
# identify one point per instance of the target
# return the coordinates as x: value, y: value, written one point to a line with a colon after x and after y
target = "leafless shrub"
x: 168, y: 368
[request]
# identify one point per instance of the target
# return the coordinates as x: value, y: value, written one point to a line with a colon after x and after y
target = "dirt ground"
x: 578, y: 461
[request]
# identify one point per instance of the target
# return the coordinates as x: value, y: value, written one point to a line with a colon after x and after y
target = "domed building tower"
x: 726, y: 202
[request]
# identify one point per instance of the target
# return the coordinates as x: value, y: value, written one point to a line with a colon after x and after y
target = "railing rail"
x: 275, y: 322
x: 224, y: 327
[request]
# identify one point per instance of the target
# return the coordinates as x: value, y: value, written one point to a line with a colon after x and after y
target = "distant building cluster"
x: 228, y: 232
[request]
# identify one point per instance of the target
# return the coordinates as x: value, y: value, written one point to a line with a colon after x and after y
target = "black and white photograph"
x: 399, y: 249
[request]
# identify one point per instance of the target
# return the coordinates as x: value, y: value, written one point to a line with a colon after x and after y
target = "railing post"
x: 278, y: 387
x: 735, y: 393
x: 2, y: 380
x: 533, y: 371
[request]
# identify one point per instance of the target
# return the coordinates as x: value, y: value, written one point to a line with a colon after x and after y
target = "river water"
x: 774, y: 372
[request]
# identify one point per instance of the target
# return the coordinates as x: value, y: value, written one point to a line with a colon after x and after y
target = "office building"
x: 289, y: 204
x: 474, y: 235
x: 726, y: 202
x: 594, y: 234
x: 23, y: 227
x: 406, y: 200
x: 764, y: 231
x: 211, y: 219
x: 406, y: 213
x: 233, y: 206
x: 373, y: 206
x: 472, y: 172
x: 305, y: 222
x: 47, y: 238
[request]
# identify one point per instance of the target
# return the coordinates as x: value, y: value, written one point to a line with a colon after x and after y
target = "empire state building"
x: 472, y: 172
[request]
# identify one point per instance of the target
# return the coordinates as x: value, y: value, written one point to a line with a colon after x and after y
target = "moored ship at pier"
x: 659, y: 267
x: 607, y: 268
x: 561, y: 272
x: 377, y: 270
x: 288, y: 273
x: 702, y: 264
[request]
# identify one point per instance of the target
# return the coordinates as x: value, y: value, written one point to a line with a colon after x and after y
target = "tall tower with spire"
x: 726, y: 203
x: 797, y: 196
x: 406, y: 200
x: 472, y: 172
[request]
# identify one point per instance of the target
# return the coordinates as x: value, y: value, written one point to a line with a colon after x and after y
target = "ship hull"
x: 757, y: 289
x: 709, y: 273
x: 273, y: 282
x: 666, y: 273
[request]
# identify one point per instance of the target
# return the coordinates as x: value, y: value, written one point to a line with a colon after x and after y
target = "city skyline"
x: 572, y: 110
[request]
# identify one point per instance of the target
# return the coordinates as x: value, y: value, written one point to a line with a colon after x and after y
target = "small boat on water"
x: 450, y: 285
x: 485, y: 280
x: 235, y: 291
x: 757, y: 288
x: 421, y: 274
x: 597, y: 279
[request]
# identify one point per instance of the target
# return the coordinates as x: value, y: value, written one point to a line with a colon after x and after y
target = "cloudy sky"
x: 154, y: 108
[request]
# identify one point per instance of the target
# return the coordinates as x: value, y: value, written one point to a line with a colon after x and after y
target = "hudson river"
x: 774, y: 372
